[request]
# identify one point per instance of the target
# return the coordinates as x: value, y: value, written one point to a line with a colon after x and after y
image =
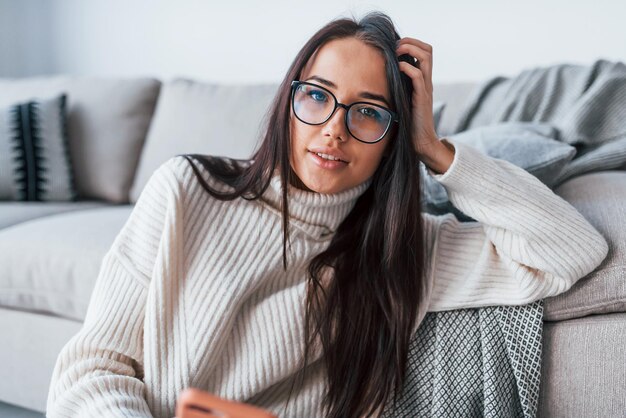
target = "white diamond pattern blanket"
x: 480, y: 362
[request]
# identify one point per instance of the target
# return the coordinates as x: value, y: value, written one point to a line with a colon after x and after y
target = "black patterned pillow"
x: 35, y: 163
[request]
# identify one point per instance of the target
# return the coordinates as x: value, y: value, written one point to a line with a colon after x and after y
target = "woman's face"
x: 356, y: 71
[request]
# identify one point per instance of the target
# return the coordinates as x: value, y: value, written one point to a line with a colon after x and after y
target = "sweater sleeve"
x: 99, y: 371
x: 527, y: 244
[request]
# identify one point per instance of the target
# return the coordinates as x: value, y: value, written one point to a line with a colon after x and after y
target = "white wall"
x: 26, y: 46
x: 255, y: 41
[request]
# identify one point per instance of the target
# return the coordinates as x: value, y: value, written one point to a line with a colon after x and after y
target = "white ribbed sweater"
x: 192, y: 292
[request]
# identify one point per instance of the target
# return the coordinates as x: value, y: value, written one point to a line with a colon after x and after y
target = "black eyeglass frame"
x: 296, y: 83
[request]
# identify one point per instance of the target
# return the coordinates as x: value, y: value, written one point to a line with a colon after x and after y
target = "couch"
x: 121, y: 130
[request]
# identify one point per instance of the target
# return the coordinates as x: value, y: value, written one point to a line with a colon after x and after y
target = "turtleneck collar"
x: 317, y: 214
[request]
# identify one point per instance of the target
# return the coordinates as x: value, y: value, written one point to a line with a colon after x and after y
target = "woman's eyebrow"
x: 364, y: 94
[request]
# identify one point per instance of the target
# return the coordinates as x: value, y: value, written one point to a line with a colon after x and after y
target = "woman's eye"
x: 318, y: 96
x: 370, y: 112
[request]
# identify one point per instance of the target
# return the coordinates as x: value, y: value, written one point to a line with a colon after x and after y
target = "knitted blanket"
x: 482, y: 362
x: 555, y: 122
x: 585, y: 103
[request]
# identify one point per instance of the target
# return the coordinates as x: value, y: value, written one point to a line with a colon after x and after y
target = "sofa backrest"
x: 121, y: 129
x: 107, y: 123
x: 229, y: 120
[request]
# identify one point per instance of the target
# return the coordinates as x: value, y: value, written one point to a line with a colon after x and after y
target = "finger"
x: 416, y: 76
x: 416, y: 42
x: 420, y: 44
x: 424, y: 58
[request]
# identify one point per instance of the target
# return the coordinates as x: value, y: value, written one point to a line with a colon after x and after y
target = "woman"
x: 231, y: 276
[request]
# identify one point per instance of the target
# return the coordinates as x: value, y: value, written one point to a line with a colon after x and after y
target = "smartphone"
x: 196, y: 403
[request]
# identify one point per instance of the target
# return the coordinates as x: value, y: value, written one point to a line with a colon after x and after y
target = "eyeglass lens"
x: 366, y: 121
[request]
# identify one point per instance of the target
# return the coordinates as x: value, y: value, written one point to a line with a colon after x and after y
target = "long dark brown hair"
x: 376, y: 254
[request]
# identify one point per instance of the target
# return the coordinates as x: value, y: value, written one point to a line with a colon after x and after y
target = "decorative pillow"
x: 528, y: 145
x: 34, y: 158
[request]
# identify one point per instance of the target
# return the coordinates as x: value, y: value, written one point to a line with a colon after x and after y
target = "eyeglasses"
x: 314, y: 105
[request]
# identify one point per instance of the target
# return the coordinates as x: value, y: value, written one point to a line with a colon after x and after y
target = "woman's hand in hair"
x: 427, y: 144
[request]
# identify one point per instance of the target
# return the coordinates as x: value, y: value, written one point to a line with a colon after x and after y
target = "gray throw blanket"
x: 585, y: 103
x: 486, y: 362
x: 555, y: 122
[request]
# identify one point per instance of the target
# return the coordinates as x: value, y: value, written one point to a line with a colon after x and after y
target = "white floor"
x: 10, y: 411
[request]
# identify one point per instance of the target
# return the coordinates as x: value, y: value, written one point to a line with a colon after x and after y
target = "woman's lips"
x: 327, y: 164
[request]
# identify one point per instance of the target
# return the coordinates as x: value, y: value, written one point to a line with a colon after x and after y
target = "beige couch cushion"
x: 30, y: 346
x: 107, y: 124
x: 601, y: 198
x: 12, y: 213
x: 583, y: 369
x: 196, y: 117
x: 51, y: 264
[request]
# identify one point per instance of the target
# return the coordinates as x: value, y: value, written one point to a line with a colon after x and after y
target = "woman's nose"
x: 335, y: 127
